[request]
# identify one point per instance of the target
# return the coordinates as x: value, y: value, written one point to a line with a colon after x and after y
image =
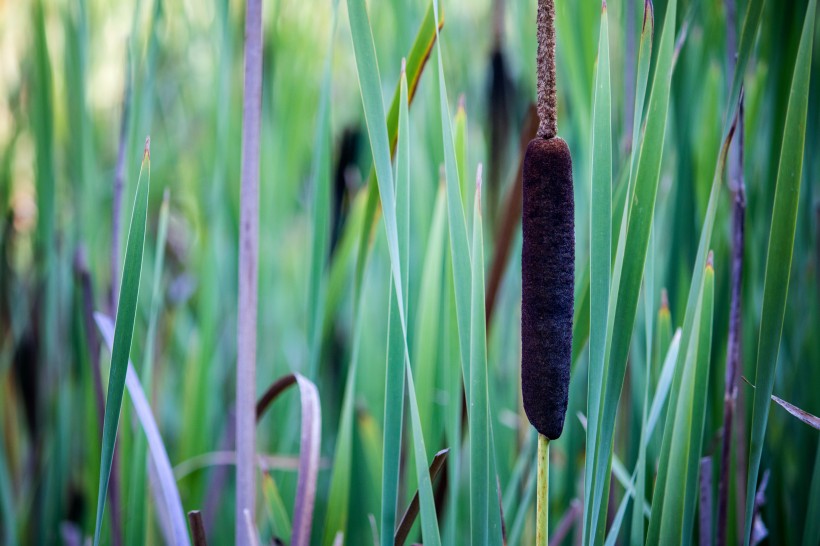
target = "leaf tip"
x: 664, y: 300
x: 710, y: 261
x: 146, y: 154
x: 648, y: 14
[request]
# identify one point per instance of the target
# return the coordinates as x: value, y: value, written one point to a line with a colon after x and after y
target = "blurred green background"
x: 81, y: 78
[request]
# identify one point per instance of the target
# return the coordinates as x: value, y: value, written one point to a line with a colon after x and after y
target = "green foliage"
x: 372, y: 260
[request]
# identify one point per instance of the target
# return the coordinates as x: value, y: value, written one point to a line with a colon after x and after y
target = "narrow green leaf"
x: 779, y: 256
x: 123, y: 332
x: 394, y: 377
x: 676, y: 492
x: 136, y: 519
x: 478, y: 414
x: 691, y: 493
x: 600, y: 237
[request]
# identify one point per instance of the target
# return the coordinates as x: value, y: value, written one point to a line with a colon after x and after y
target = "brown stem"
x: 197, y: 528
x: 547, y: 101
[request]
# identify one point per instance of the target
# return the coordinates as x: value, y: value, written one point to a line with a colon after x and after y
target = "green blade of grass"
x: 394, y: 377
x: 627, y: 282
x: 600, y: 237
x: 691, y: 492
x: 478, y: 414
x: 779, y: 255
x: 429, y: 521
x: 123, y: 332
x: 136, y: 519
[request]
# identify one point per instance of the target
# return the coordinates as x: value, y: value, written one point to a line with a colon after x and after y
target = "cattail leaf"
x: 394, y: 377
x: 478, y: 413
x: 123, y: 333
x: 691, y: 492
x: 676, y: 489
x: 626, y: 282
x: 779, y: 255
x: 136, y: 519
x: 168, y: 501
x: 600, y: 238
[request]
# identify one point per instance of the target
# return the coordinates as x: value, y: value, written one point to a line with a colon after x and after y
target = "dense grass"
x: 389, y: 288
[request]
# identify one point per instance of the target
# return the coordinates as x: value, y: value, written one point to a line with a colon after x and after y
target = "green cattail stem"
x: 542, y: 502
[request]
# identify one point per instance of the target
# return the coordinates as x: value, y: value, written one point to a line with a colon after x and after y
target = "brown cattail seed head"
x: 547, y: 275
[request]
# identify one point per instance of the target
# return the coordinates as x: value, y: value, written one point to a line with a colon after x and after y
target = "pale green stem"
x: 542, y: 506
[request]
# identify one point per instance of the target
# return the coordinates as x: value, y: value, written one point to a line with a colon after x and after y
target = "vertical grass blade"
x: 429, y: 522
x: 123, y: 332
x: 478, y: 415
x: 170, y: 504
x: 691, y: 492
x: 394, y: 377
x: 600, y: 237
x: 136, y: 519
x: 676, y: 492
x: 779, y: 256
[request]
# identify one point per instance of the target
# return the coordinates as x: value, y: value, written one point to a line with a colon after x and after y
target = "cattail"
x: 548, y: 255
